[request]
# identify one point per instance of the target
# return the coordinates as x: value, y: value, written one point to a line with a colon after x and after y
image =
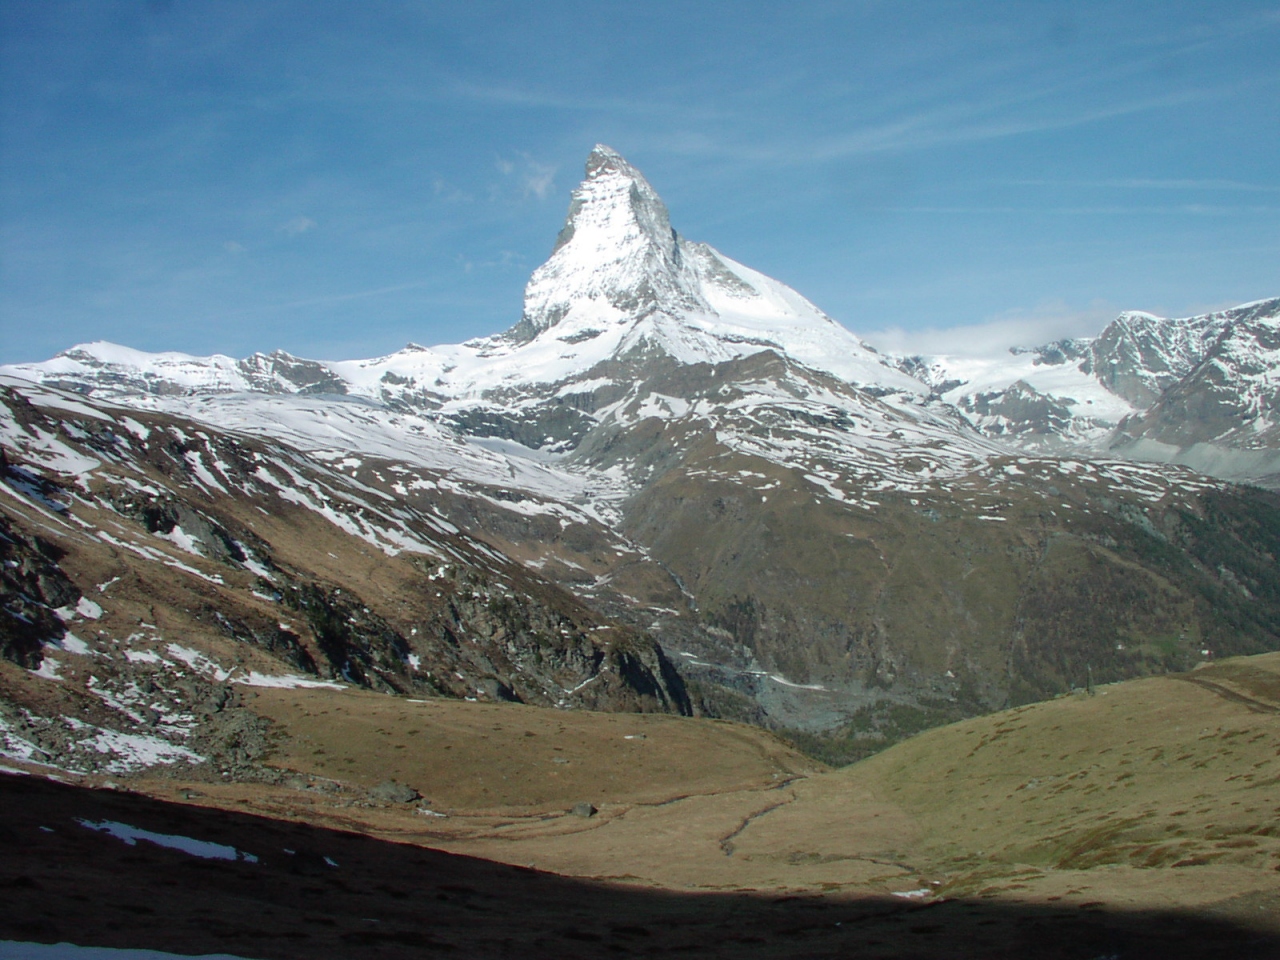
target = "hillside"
x: 1138, y: 820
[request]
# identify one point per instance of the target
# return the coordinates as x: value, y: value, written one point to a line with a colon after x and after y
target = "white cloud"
x: 448, y: 192
x: 506, y: 259
x: 539, y: 180
x: 1014, y: 328
x: 534, y: 179
x: 232, y: 247
x: 298, y: 226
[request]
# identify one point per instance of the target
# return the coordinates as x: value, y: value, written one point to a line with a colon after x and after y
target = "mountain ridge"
x: 623, y: 289
x: 1195, y: 390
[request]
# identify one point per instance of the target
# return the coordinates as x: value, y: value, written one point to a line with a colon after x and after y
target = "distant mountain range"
x: 1201, y: 391
x: 673, y: 484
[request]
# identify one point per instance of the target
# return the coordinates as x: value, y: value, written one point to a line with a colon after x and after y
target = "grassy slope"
x: 1152, y: 794
x: 1161, y: 792
x: 1164, y: 790
x: 512, y: 759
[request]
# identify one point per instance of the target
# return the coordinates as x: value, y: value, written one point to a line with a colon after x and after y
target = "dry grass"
x: 509, y: 758
x: 1157, y: 794
x: 1128, y: 788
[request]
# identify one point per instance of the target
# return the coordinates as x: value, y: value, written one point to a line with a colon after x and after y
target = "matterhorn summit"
x: 616, y: 258
x: 622, y: 277
x: 621, y: 285
x: 625, y: 309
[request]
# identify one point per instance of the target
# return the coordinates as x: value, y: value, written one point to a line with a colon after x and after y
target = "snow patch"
x: 196, y: 848
x: 285, y: 681
x: 48, y: 669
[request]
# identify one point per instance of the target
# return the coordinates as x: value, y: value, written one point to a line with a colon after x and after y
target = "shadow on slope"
x: 319, y: 893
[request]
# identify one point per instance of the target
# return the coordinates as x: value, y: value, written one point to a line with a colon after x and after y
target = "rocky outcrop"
x: 32, y: 588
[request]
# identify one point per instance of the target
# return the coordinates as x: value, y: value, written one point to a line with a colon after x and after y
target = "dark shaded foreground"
x: 61, y: 881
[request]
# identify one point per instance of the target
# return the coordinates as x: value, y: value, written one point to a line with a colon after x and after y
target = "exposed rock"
x: 390, y: 791
x: 32, y: 586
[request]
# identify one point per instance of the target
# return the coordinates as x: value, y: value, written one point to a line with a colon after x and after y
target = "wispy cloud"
x: 968, y: 101
x: 297, y: 226
x: 955, y: 125
x: 447, y: 192
x: 1035, y: 326
x: 533, y: 178
x: 539, y: 180
x: 1149, y: 184
x: 505, y: 259
x: 665, y: 109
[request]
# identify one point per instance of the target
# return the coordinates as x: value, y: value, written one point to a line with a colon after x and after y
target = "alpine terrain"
x: 775, y: 522
x: 443, y: 596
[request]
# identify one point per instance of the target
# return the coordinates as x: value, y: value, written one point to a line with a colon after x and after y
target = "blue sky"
x: 338, y: 179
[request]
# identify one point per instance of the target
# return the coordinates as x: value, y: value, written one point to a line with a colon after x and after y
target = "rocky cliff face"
x: 1139, y: 356
x: 1230, y: 396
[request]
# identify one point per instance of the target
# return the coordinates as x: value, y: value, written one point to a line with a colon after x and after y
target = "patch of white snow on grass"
x: 73, y: 644
x: 196, y: 848
x: 254, y: 567
x: 48, y: 669
x: 178, y: 565
x: 204, y: 477
x: 198, y: 661
x: 136, y: 428
x: 285, y: 681
x: 182, y: 540
x: 15, y: 747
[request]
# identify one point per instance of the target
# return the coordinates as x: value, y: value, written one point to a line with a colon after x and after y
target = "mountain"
x: 153, y: 565
x: 620, y: 286
x: 1223, y: 415
x: 1200, y: 391
x: 688, y: 458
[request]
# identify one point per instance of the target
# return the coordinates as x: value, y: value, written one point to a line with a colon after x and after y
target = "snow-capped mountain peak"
x: 620, y: 286
x: 1198, y: 390
x: 621, y: 278
x: 615, y: 259
x: 1139, y: 355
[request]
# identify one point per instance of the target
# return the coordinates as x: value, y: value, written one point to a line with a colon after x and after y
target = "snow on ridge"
x: 621, y: 287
